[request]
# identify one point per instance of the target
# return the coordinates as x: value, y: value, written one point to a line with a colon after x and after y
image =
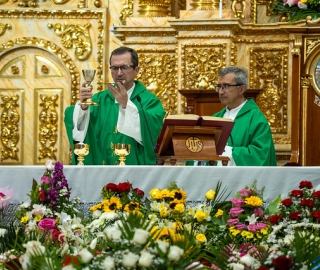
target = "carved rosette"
x: 158, y: 72
x: 268, y: 71
x: 200, y: 65
x: 154, y: 8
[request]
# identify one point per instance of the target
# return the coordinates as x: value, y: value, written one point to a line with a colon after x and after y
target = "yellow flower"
x: 210, y: 194
x: 200, y: 215
x: 93, y: 208
x: 132, y: 207
x: 253, y: 201
x: 219, y: 213
x: 24, y: 219
x: 179, y: 207
x: 155, y: 194
x: 176, y: 237
x: 166, y: 193
x: 178, y: 226
x: 201, y: 238
x: 163, y: 211
x: 38, y: 218
x: 264, y: 231
x: 234, y: 231
x: 304, y: 1
x: 247, y: 234
x: 112, y: 205
x: 179, y: 195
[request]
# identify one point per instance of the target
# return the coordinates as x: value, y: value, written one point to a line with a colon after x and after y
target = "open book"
x: 192, y: 125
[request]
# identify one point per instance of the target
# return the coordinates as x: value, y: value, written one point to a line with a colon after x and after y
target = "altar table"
x: 86, y: 182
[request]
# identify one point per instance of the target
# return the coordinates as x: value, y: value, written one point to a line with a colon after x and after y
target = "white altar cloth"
x: 87, y: 181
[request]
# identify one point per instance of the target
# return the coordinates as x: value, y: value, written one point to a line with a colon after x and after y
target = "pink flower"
x: 240, y: 227
x: 252, y: 227
x: 44, y: 179
x: 38, y: 210
x: 237, y: 202
x: 245, y: 192
x: 5, y: 197
x: 236, y: 211
x: 257, y: 212
x: 47, y: 224
x: 232, y: 221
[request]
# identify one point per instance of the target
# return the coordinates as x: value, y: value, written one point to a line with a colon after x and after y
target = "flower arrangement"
x: 295, y: 10
x: 6, y: 194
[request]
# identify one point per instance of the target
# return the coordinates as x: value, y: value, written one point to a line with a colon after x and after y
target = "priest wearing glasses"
x: 250, y: 142
x: 127, y: 114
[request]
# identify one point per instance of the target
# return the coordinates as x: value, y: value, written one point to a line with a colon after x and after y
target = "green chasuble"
x: 102, y: 130
x: 251, y: 137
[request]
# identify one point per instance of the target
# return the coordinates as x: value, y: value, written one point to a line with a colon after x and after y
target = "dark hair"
x: 123, y: 50
x: 240, y: 74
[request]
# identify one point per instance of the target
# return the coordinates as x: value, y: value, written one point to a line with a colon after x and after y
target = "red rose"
x: 287, y: 202
x: 274, y: 219
x: 297, y: 193
x: 295, y: 215
x: 263, y: 268
x: 307, y: 202
x: 124, y: 187
x: 305, y: 184
x: 316, y: 194
x: 139, y: 192
x: 42, y: 195
x: 282, y: 263
x: 112, y: 187
x: 56, y: 235
x: 316, y: 214
x: 46, y: 224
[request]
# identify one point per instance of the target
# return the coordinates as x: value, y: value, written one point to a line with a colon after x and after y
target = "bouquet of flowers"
x: 6, y: 194
x: 50, y: 203
x: 295, y: 10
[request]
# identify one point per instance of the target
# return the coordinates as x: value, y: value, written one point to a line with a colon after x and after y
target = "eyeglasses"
x: 123, y: 68
x: 224, y: 86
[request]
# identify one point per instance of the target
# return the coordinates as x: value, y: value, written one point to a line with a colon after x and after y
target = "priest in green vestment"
x: 250, y: 142
x: 127, y: 113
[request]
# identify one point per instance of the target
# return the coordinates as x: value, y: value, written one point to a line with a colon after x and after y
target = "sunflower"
x: 179, y: 195
x: 112, y: 205
x: 132, y: 207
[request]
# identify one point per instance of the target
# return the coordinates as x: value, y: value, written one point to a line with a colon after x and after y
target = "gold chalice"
x: 122, y: 150
x: 88, y: 75
x: 81, y: 150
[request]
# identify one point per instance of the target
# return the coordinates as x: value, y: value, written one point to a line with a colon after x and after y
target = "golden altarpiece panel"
x: 181, y: 43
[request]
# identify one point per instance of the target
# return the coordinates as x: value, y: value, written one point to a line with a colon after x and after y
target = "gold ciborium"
x: 122, y: 150
x: 81, y: 150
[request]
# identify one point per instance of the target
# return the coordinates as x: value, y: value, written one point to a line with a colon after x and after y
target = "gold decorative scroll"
x: 238, y: 8
x: 205, y: 4
x: 9, y: 128
x: 200, y: 65
x: 154, y: 8
x: 268, y: 72
x: 127, y: 11
x: 75, y: 36
x: 48, y: 127
x: 158, y: 74
x: 3, y: 28
x: 311, y: 43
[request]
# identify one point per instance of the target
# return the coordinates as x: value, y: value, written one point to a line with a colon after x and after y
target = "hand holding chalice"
x: 122, y: 150
x: 81, y: 150
x: 88, y: 75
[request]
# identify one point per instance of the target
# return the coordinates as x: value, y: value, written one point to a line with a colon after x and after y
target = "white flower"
x: 112, y: 233
x: 50, y: 165
x: 247, y: 260
x: 108, y: 263
x: 68, y: 267
x: 252, y: 219
x: 175, y: 253
x: 24, y: 260
x: 2, y: 232
x: 129, y: 259
x: 63, y: 217
x: 163, y: 246
x: 93, y: 243
x: 236, y: 266
x: 140, y: 236
x: 38, y: 210
x: 86, y: 255
x: 25, y: 204
x: 96, y: 213
x: 34, y: 248
x: 145, y: 259
x: 109, y: 215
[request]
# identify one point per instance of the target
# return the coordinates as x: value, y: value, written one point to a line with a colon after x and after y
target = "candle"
x: 220, y: 9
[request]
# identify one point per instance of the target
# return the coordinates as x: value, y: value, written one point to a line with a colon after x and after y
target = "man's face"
x: 126, y: 77
x: 231, y: 96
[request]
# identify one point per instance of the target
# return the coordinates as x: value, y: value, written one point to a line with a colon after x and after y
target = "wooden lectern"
x: 192, y: 137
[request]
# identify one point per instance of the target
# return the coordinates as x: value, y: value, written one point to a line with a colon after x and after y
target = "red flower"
x: 305, y: 184
x: 307, y: 202
x: 112, y: 187
x: 263, y: 268
x: 42, y: 195
x: 295, y: 215
x: 274, y: 219
x: 287, y: 202
x: 297, y: 193
x: 139, y: 192
x: 316, y: 194
x: 316, y: 214
x: 69, y: 259
x: 282, y: 263
x: 124, y: 187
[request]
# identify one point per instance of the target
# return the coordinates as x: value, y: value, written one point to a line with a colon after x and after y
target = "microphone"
x: 145, y: 119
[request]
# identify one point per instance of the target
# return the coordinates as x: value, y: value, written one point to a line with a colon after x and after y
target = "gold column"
x: 154, y: 8
x: 205, y: 4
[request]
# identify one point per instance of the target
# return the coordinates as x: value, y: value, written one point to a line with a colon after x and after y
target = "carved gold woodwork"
x: 14, y: 69
x: 311, y: 43
x: 238, y: 8
x: 127, y: 11
x: 158, y: 74
x: 268, y: 72
x: 4, y: 27
x: 48, y: 127
x: 205, y: 4
x: 200, y: 64
x: 75, y: 36
x: 9, y: 135
x: 154, y: 8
